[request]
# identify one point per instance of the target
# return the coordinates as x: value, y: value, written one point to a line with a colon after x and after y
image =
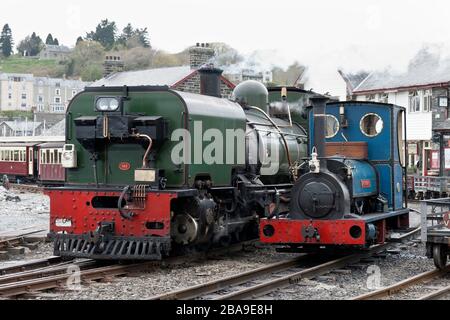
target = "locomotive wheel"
x: 440, y: 256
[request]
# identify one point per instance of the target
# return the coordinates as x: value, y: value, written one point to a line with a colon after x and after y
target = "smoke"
x: 257, y: 61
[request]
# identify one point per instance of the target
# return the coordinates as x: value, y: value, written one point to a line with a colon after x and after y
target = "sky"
x: 322, y: 34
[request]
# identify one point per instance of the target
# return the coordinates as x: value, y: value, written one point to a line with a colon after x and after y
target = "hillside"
x: 34, y: 66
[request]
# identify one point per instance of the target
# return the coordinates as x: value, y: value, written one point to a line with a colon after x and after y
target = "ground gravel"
x: 408, y: 260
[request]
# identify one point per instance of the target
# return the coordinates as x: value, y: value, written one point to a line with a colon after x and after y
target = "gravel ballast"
x: 406, y: 261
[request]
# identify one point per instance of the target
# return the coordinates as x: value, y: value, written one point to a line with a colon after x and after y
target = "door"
x: 30, y: 161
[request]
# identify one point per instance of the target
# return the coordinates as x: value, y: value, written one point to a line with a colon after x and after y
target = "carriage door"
x: 30, y: 161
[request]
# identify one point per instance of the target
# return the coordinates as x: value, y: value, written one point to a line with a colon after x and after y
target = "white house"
x: 421, y: 89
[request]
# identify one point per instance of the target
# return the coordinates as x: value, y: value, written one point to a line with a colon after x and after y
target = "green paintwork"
x: 252, y: 93
x: 298, y: 101
x: 214, y: 113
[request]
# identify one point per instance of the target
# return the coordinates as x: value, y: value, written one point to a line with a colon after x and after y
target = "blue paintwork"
x: 385, y: 176
x: 362, y: 170
x: 379, y: 146
x: 383, y: 151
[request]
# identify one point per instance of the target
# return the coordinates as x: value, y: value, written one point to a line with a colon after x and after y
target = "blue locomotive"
x: 351, y: 192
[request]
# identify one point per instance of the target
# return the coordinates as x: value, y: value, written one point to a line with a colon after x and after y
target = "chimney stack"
x: 111, y: 65
x: 319, y: 104
x: 200, y: 55
x: 210, y: 81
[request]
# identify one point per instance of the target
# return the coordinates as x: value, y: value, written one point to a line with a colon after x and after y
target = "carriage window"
x: 371, y: 125
x: 59, y: 157
x: 55, y: 156
x: 332, y: 126
x: 47, y: 156
x: 42, y: 157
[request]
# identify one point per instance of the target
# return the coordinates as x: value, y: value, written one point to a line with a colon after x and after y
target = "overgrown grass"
x: 16, y: 114
x: 40, y: 68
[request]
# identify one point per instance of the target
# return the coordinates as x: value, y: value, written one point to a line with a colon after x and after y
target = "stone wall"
x: 192, y: 85
x: 200, y: 54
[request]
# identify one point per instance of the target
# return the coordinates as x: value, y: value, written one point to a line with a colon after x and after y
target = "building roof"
x: 63, y: 82
x: 6, y: 76
x: 21, y: 125
x: 421, y: 73
x: 151, y: 77
x: 58, y: 129
x: 353, y: 80
x: 56, y: 48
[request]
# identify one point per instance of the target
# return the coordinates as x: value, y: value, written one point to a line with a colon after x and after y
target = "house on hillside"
x: 423, y: 90
x: 55, y: 52
x: 183, y: 78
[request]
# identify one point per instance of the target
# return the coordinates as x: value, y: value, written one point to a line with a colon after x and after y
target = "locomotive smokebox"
x: 319, y: 105
x: 210, y: 81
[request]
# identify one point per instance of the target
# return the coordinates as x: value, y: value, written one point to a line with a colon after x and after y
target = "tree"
x: 79, y: 39
x: 105, y: 34
x: 132, y: 38
x: 86, y: 61
x: 143, y: 37
x: 49, y: 39
x: 31, y: 45
x: 56, y: 42
x: 6, y: 41
x: 127, y: 33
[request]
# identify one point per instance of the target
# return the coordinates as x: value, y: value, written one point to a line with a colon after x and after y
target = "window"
x: 58, y: 85
x: 384, y: 98
x: 58, y: 92
x: 427, y: 100
x: 40, y: 99
x: 414, y: 102
x: 23, y: 105
x: 58, y: 108
x: 57, y: 100
x: 43, y: 158
x: 40, y: 107
x: 332, y: 126
x: 9, y: 96
x: 24, y: 96
x: 371, y: 125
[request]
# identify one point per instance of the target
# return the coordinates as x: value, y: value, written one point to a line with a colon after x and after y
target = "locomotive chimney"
x: 210, y: 81
x: 319, y: 105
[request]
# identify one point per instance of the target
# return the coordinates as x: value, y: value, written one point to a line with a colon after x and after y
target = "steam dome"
x: 252, y: 93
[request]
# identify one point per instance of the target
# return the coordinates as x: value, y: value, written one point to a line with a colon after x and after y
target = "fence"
x: 433, y: 214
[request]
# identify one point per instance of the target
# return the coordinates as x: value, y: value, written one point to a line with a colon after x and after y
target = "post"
x: 441, y: 155
x: 423, y: 219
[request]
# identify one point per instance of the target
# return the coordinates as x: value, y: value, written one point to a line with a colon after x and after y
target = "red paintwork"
x: 332, y: 232
x: 73, y: 205
x: 14, y: 168
x: 365, y: 184
x: 52, y: 172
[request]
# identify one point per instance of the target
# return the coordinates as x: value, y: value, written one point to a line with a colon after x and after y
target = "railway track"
x: 27, y: 188
x: 55, y: 274
x: 255, y: 283
x: 19, y: 238
x: 392, y: 290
